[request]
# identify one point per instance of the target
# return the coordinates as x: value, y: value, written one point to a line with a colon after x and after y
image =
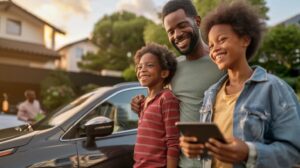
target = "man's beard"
x: 194, y: 36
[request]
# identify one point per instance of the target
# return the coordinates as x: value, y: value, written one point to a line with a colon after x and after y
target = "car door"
x: 115, y: 150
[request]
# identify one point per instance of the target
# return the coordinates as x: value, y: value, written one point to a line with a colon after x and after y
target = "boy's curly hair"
x: 166, y: 58
x: 243, y: 19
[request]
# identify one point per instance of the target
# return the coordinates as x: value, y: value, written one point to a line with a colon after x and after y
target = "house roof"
x: 26, y: 47
x: 291, y: 20
x: 73, y: 43
x: 8, y: 4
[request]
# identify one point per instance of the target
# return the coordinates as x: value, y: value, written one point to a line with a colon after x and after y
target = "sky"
x: 78, y: 17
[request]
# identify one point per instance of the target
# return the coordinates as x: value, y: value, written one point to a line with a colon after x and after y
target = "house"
x: 23, y: 38
x: 23, y: 50
x: 292, y: 20
x: 28, y: 56
x: 72, y: 53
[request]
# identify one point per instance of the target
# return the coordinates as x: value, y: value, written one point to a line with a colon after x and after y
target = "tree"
x: 280, y: 50
x: 205, y: 6
x: 129, y: 74
x: 118, y: 36
x: 156, y: 33
x: 89, y: 87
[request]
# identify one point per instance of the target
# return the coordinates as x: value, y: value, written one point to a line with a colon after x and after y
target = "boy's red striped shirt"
x: 157, y: 136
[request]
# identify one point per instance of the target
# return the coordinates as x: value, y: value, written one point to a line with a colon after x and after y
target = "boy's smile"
x: 149, y: 71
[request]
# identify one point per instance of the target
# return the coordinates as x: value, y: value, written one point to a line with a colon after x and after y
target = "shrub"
x: 56, y: 96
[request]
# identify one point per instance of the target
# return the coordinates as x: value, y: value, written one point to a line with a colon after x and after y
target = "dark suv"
x: 98, y: 129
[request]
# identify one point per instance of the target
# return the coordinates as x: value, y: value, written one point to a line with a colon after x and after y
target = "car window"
x: 116, y: 108
x: 64, y: 113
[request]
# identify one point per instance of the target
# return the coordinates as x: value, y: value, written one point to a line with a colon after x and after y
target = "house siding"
x: 69, y: 60
x: 30, y: 32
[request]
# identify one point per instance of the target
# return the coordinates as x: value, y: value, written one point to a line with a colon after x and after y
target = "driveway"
x: 7, y: 120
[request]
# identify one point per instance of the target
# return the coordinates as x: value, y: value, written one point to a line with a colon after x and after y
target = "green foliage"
x: 298, y: 85
x: 280, y: 51
x: 294, y: 82
x: 57, y: 89
x: 91, y: 61
x: 116, y: 35
x: 156, y: 33
x: 56, y: 96
x: 205, y: 6
x: 88, y: 88
x: 56, y: 78
x: 129, y: 74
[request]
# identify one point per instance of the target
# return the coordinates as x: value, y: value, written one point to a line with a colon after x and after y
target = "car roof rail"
x: 122, y: 84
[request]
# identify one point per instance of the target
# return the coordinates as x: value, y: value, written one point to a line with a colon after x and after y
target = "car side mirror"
x: 97, y: 127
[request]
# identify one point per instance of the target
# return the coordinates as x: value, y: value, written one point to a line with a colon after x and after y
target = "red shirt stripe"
x: 157, y: 136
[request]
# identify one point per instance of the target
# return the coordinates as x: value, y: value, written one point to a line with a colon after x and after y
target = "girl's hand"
x: 234, y: 151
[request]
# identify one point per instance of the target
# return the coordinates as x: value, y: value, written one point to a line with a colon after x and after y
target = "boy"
x: 157, y: 137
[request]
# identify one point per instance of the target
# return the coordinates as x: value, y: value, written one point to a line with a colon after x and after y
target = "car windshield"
x: 63, y: 113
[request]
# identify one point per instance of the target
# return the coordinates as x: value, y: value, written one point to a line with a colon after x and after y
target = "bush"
x: 129, y: 74
x: 294, y: 82
x: 56, y: 90
x: 88, y: 88
x: 298, y: 88
x: 56, y: 96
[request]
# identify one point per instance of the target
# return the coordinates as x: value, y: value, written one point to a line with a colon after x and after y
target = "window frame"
x: 79, y: 53
x: 73, y: 127
x: 14, y: 23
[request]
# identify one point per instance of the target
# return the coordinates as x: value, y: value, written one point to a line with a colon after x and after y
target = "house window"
x: 13, y: 27
x: 79, y: 53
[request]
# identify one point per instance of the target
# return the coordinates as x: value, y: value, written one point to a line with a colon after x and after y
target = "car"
x: 97, y: 129
x: 9, y: 120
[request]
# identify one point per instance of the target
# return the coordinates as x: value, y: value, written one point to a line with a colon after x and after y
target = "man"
x: 195, y: 71
x: 28, y: 110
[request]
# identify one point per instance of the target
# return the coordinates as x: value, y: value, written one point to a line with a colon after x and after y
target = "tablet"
x: 203, y: 131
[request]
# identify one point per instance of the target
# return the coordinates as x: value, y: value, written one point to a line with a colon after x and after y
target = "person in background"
x: 157, y: 144
x: 258, y: 113
x: 195, y: 71
x: 30, y: 108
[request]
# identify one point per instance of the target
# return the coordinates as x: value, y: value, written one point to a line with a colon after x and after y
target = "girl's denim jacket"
x: 266, y: 115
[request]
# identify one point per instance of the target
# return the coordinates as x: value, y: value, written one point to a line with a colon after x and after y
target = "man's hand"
x: 136, y: 103
x: 190, y: 148
x: 31, y: 120
x: 234, y: 151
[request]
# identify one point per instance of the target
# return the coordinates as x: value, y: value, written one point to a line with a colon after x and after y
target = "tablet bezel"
x: 203, y: 131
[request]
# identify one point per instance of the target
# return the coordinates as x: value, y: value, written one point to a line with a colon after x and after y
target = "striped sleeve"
x: 170, y: 111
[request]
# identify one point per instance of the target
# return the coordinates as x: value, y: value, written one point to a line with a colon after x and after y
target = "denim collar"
x: 259, y: 75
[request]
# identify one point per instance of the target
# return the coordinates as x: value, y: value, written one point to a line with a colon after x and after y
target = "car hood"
x: 14, y: 137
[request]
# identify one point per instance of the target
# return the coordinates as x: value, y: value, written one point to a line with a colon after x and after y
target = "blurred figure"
x: 5, y: 103
x: 30, y: 108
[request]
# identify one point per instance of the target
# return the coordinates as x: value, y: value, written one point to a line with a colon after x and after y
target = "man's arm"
x: 172, y: 162
x: 22, y: 113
